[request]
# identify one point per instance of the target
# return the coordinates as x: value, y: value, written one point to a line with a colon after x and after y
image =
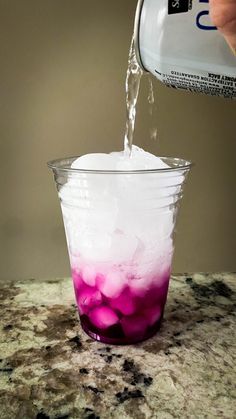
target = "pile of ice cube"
x: 121, y: 218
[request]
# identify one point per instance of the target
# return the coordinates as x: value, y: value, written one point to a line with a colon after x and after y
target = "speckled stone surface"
x: 49, y: 368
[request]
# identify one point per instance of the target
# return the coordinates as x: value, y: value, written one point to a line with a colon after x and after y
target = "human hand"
x: 223, y: 15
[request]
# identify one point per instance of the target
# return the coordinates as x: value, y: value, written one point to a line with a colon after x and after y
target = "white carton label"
x: 181, y: 47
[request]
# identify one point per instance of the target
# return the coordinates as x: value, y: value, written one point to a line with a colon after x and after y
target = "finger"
x: 223, y: 15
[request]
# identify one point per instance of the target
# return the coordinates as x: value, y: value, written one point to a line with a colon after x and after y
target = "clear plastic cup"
x: 119, y: 227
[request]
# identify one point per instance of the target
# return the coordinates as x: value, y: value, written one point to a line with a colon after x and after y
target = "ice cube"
x: 77, y: 279
x: 88, y: 297
x: 161, y: 280
x: 134, y: 326
x: 107, y: 216
x: 123, y: 246
x: 139, y: 286
x: 89, y: 275
x: 152, y: 314
x: 125, y: 303
x: 150, y: 289
x: 112, y: 284
x: 103, y: 317
x: 95, y: 246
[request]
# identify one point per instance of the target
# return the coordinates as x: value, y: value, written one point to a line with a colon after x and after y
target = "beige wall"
x: 62, y: 70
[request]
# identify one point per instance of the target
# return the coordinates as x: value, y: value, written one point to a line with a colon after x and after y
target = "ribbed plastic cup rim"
x: 179, y: 165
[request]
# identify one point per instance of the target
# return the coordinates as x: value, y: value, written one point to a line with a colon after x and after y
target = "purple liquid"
x: 117, y: 312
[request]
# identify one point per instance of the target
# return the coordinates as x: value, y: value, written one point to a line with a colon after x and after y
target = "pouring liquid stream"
x: 133, y: 78
x: 132, y: 86
x: 151, y: 101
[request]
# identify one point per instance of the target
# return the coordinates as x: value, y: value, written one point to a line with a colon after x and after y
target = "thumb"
x: 223, y: 15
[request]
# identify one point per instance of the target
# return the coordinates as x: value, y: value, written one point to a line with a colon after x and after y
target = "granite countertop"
x: 49, y: 368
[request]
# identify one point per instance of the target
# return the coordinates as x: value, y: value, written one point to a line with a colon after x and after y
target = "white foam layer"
x: 139, y: 160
